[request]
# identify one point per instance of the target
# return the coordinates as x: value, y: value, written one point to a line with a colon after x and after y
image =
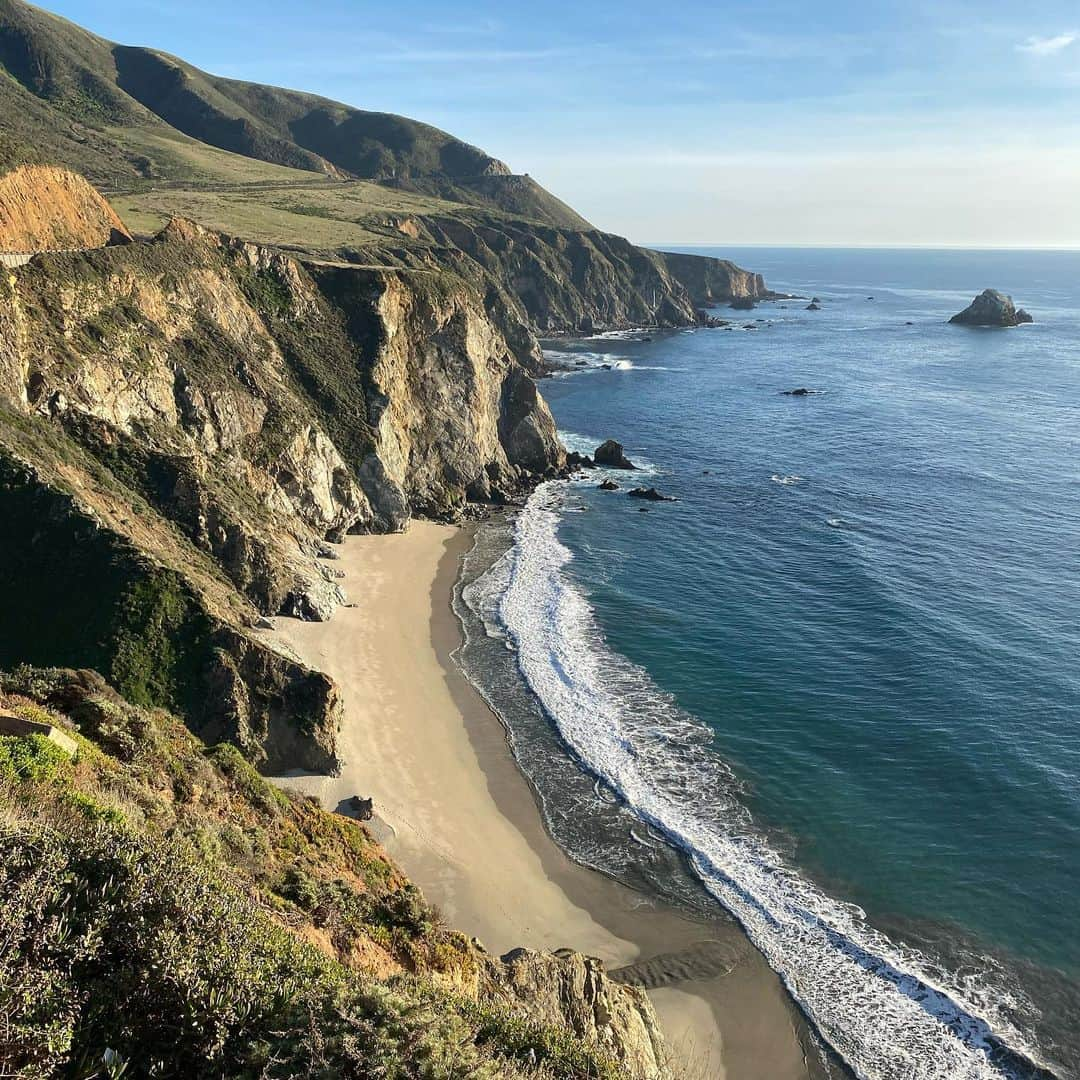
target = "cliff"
x: 167, y: 912
x: 186, y: 427
x: 559, y: 280
x: 43, y: 208
x: 712, y: 281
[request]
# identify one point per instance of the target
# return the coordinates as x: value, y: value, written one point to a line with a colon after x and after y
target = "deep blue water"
x: 871, y: 598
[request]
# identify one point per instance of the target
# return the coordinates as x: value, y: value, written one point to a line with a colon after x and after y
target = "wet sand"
x: 455, y: 811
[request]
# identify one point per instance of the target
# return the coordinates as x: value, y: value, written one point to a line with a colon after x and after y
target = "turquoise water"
x: 870, y: 598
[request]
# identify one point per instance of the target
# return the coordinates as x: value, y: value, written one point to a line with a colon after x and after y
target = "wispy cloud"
x: 1047, y: 46
x: 457, y: 56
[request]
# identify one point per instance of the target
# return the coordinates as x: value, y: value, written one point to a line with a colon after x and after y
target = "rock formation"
x: 650, y: 494
x: 992, y: 308
x: 574, y: 991
x: 610, y: 454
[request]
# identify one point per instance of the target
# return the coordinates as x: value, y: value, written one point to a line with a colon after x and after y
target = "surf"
x: 883, y: 1008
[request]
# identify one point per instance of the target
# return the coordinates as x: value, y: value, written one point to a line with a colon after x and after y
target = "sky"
x: 854, y: 122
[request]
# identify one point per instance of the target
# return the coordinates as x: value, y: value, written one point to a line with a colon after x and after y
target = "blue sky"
x: 767, y: 122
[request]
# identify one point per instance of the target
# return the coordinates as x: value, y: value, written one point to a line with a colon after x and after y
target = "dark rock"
x: 611, y: 454
x: 749, y: 326
x: 991, y: 308
x: 815, y: 300
x: 650, y: 494
x: 579, y: 461
x: 364, y: 808
x: 643, y: 509
x: 743, y: 303
x: 607, y: 367
x: 801, y: 391
x: 813, y: 306
x: 608, y: 485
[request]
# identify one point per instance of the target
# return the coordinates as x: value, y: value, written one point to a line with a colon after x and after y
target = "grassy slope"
x: 167, y: 912
x: 132, y: 117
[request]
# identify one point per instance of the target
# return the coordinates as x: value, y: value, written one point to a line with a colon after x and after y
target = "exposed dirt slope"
x: 44, y: 208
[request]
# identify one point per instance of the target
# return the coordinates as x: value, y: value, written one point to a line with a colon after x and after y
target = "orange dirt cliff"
x: 43, y: 208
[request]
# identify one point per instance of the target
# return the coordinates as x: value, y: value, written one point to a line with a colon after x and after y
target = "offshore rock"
x: 650, y: 495
x: 991, y: 308
x: 610, y: 454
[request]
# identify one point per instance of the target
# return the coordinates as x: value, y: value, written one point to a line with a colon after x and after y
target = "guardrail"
x: 11, y: 259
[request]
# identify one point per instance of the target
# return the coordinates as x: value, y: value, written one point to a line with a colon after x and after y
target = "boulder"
x: 813, y: 306
x: 991, y: 308
x: 800, y: 391
x: 610, y: 454
x: 650, y: 494
x: 579, y: 461
x: 608, y: 485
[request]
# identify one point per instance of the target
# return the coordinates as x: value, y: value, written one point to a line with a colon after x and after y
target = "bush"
x: 128, y: 956
x: 246, y: 779
x: 32, y: 757
x: 94, y: 811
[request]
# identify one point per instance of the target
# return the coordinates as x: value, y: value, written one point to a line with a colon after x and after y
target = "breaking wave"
x: 887, y: 1010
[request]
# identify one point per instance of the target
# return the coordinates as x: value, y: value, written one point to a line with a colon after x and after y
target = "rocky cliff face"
x: 44, y: 208
x: 573, y: 991
x: 210, y: 407
x: 565, y: 281
x: 714, y: 281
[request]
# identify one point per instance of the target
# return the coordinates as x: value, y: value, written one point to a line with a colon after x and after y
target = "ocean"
x: 834, y: 688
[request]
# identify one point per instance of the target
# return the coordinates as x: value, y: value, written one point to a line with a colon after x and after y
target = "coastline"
x: 454, y: 810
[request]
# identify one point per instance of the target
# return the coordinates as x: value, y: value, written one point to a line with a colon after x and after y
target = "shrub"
x: 92, y: 810
x: 32, y: 757
x: 246, y: 779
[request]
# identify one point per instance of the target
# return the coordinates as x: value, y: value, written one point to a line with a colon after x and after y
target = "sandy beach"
x: 459, y: 817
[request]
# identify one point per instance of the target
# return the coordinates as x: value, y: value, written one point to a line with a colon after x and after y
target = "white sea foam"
x: 875, y: 1003
x: 787, y: 481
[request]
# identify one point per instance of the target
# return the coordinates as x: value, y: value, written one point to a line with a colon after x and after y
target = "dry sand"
x: 456, y: 813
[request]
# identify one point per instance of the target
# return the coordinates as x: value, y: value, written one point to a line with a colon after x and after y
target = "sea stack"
x: 611, y: 455
x: 992, y: 308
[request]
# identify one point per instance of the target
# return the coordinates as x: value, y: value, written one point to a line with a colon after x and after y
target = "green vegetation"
x: 133, y: 119
x: 158, y: 640
x: 31, y: 757
x: 166, y: 913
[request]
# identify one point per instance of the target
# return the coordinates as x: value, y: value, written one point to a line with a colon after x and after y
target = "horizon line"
x: 859, y: 247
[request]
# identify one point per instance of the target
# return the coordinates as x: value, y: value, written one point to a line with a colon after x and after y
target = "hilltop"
x: 324, y: 180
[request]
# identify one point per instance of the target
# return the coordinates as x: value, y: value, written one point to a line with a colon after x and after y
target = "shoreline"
x: 454, y: 810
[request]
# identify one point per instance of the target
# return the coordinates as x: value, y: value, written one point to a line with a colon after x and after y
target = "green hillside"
x: 132, y: 117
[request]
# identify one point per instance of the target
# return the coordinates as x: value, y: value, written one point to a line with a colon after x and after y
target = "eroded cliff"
x: 208, y: 414
x: 44, y: 208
